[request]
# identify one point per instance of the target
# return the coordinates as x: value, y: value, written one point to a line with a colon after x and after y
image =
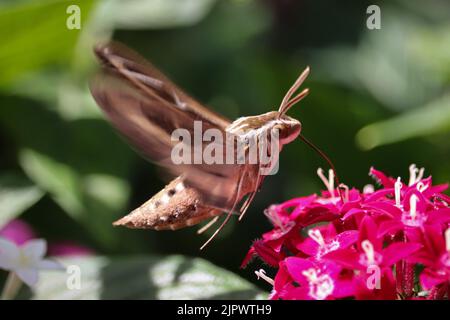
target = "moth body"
x: 146, y: 108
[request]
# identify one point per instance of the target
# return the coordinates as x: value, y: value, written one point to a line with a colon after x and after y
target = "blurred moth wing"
x: 146, y: 108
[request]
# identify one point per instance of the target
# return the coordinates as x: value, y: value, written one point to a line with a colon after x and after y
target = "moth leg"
x: 208, y: 225
x: 229, y: 214
x: 250, y: 198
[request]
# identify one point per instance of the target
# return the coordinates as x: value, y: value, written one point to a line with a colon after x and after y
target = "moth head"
x: 288, y: 128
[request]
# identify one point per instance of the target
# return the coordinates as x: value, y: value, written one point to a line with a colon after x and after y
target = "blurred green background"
x: 378, y: 98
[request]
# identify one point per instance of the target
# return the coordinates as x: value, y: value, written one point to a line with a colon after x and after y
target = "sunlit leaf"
x: 144, y: 277
x: 34, y: 34
x: 17, y: 194
x: 70, y: 160
x: 433, y: 118
x: 154, y: 13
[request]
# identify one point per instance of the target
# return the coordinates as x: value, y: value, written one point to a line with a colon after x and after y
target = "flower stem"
x: 12, y: 286
x: 408, y: 278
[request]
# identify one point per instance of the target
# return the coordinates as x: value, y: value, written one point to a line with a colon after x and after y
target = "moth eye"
x: 157, y: 203
x: 171, y: 192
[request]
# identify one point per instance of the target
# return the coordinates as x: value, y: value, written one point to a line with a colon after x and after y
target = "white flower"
x: 26, y: 260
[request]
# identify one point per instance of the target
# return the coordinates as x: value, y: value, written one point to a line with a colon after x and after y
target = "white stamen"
x: 368, y: 188
x: 412, y: 174
x: 415, y: 175
x: 420, y: 176
x: 421, y: 187
x: 262, y: 274
x: 413, y: 206
x: 397, y: 187
x: 316, y: 235
x: 320, y: 287
x: 331, y: 181
x: 447, y: 239
x: 346, y: 194
x: 310, y: 274
x: 367, y: 246
x: 328, y: 182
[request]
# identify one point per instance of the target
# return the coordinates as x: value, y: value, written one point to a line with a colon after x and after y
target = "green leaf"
x: 69, y: 160
x: 57, y: 178
x: 17, y: 194
x: 431, y: 119
x: 144, y: 277
x: 34, y: 35
x: 153, y: 14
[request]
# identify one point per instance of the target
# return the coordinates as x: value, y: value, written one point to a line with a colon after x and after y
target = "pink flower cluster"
x: 391, y: 243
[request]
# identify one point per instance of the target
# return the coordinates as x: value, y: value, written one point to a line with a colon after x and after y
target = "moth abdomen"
x: 174, y: 207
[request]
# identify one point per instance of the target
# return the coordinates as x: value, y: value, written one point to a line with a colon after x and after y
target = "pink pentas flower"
x: 369, y: 250
x: 435, y: 256
x: 365, y: 244
x: 316, y: 280
x: 323, y: 240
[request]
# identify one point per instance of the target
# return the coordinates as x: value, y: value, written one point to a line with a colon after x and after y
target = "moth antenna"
x: 294, y: 88
x: 295, y: 100
x: 327, y: 159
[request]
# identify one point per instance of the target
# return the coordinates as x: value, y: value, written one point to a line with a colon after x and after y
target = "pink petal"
x: 281, y: 278
x: 317, y: 214
x: 296, y: 266
x: 429, y: 279
x: 343, y: 288
x: 384, y: 207
x: 309, y: 247
x: 398, y: 251
x: 381, y: 178
x: 389, y: 227
x: 17, y: 231
x: 387, y: 290
x: 352, y: 212
x: 379, y: 194
x: 439, y: 216
x: 248, y: 257
x: 368, y: 231
x: 297, y: 293
x: 345, y: 257
x: 347, y: 238
x: 267, y: 254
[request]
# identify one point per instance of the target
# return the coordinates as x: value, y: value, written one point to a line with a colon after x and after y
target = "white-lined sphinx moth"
x: 146, y: 108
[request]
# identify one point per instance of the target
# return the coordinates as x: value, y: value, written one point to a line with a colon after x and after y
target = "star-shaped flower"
x: 26, y: 260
